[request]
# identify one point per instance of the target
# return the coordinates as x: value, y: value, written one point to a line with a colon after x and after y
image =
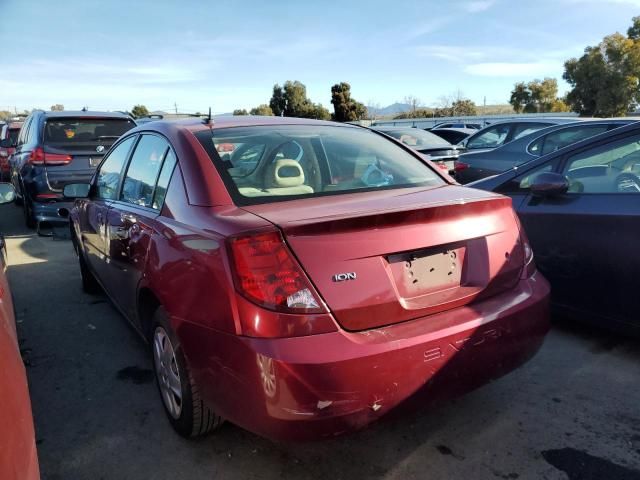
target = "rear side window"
x: 84, y: 133
x: 557, y: 140
x: 143, y: 170
x: 163, y: 181
x: 109, y: 173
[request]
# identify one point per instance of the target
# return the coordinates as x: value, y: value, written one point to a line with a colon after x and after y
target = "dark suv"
x: 57, y: 148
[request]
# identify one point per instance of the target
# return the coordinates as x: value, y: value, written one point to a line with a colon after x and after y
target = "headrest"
x: 285, y: 173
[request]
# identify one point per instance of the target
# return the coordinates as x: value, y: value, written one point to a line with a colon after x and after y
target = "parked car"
x: 8, y: 138
x: 580, y: 206
x: 476, y: 165
x: 470, y: 126
x: 18, y: 455
x: 453, y: 135
x: 501, y: 133
x: 149, y: 118
x: 320, y: 277
x: 57, y: 148
x: 437, y: 148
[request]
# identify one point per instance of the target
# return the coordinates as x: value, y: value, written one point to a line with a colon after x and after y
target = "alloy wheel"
x: 166, y: 366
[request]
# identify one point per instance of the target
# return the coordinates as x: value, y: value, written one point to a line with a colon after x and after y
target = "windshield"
x: 267, y: 164
x: 416, y: 138
x: 81, y: 132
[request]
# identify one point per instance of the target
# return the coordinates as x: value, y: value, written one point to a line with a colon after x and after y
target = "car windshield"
x: 265, y: 164
x: 81, y: 132
x: 416, y: 138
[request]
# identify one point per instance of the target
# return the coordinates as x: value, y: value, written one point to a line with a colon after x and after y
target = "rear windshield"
x: 266, y: 164
x: 415, y: 138
x: 77, y: 133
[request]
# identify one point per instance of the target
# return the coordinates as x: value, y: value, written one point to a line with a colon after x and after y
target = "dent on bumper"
x: 327, y: 384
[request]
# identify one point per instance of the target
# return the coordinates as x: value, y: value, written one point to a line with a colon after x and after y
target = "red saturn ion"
x: 303, y: 278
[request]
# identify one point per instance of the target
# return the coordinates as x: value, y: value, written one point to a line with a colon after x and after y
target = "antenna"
x: 209, y: 120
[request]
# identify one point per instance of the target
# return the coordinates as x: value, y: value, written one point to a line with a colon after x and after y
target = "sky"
x: 224, y: 54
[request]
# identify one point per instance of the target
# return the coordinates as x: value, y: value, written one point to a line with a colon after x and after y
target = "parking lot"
x: 572, y: 412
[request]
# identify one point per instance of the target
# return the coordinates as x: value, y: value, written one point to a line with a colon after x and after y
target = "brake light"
x: 266, y: 273
x: 40, y: 157
x: 458, y: 166
x: 529, y: 265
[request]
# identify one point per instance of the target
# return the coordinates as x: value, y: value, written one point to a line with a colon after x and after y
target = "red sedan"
x: 302, y: 278
x: 18, y: 456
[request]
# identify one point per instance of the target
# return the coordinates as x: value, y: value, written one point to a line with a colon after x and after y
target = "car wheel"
x: 189, y: 415
x: 29, y: 221
x: 89, y: 283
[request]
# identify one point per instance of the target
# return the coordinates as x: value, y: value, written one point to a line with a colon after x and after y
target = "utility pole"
x: 176, y: 107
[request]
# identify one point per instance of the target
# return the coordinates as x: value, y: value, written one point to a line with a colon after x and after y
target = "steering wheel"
x: 628, y: 183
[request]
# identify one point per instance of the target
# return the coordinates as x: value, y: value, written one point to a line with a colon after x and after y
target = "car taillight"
x: 40, y: 157
x: 529, y: 265
x: 266, y: 273
x: 458, y: 165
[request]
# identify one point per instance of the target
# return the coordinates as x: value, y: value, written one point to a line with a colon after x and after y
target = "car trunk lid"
x: 384, y: 257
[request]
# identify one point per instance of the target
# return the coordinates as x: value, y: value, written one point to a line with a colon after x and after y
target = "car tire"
x: 89, y: 283
x: 29, y: 221
x: 187, y: 412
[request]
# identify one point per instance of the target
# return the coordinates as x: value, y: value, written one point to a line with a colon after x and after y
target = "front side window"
x: 562, y: 138
x: 492, y: 137
x: 610, y: 168
x: 108, y: 177
x: 140, y: 180
x: 523, y: 129
x: 311, y: 160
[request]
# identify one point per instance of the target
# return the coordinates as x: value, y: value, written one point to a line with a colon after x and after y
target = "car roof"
x: 228, y: 121
x: 86, y: 114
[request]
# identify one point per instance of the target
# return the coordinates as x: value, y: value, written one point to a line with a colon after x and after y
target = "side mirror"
x: 7, y: 193
x: 76, y: 190
x: 549, y: 184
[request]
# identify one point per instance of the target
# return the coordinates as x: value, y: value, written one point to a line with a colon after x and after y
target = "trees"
x: 139, y: 111
x: 263, y: 109
x: 345, y: 108
x: 537, y: 96
x: 605, y: 80
x: 58, y: 107
x: 292, y: 101
x: 240, y: 111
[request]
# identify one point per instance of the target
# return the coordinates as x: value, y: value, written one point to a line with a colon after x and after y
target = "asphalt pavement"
x: 572, y: 412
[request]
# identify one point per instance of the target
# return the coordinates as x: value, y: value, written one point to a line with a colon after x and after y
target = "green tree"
x: 58, y: 107
x: 605, y: 80
x: 277, y: 103
x: 463, y: 107
x: 139, y: 111
x: 520, y: 97
x: 292, y: 101
x: 240, y: 111
x: 345, y: 108
x: 264, y: 110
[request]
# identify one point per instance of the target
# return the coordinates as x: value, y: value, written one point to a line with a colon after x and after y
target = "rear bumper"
x: 323, y: 385
x: 52, y: 212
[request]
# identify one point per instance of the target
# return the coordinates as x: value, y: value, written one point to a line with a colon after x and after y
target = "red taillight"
x: 458, y: 165
x: 40, y: 157
x: 267, y: 274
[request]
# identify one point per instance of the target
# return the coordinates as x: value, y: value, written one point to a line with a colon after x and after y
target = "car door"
x: 93, y: 214
x: 131, y: 219
x: 585, y: 241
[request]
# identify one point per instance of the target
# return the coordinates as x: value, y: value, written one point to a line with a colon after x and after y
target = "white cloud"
x: 633, y: 3
x: 478, y: 5
x: 514, y: 69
